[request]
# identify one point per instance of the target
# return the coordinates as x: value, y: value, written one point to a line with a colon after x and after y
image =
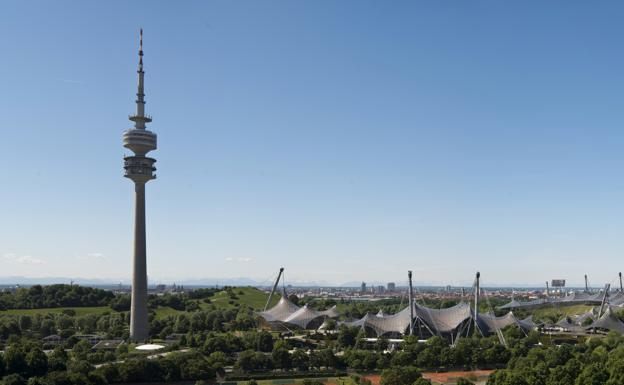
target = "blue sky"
x: 345, y: 140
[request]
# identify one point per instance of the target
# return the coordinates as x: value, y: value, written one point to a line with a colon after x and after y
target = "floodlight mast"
x: 411, y: 303
x: 476, y: 304
x: 274, y: 288
x: 604, y: 299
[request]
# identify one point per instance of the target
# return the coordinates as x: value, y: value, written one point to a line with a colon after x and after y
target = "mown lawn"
x: 166, y: 311
x: 292, y: 381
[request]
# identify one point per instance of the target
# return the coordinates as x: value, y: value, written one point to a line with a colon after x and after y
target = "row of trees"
x: 65, y: 324
x: 52, y: 296
x: 115, y: 325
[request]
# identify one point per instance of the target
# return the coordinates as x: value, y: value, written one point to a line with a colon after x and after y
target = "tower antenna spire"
x: 140, y: 119
x: 141, y: 49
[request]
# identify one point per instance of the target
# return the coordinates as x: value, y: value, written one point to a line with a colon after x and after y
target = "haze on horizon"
x: 346, y: 141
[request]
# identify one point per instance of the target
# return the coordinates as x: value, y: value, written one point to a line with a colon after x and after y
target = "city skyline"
x: 346, y: 142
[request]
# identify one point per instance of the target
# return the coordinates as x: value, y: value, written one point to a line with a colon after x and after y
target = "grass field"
x: 293, y: 381
x: 79, y: 310
x: 560, y: 311
x: 249, y: 296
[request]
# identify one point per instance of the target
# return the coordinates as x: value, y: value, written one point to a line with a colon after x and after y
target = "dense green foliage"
x: 595, y: 362
x: 52, y: 296
x: 204, y: 336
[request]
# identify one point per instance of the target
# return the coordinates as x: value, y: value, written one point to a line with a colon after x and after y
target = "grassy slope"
x: 561, y: 311
x: 250, y: 297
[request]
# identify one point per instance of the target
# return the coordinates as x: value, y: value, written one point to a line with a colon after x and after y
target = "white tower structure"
x: 140, y: 169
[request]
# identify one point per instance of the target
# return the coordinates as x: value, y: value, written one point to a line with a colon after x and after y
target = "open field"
x: 293, y: 381
x: 447, y: 378
x: 479, y: 377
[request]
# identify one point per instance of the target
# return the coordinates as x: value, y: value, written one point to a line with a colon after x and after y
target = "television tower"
x: 140, y: 169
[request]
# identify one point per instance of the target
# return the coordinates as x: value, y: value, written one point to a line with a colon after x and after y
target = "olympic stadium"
x: 460, y: 320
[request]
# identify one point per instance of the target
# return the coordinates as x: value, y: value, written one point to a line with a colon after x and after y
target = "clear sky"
x: 344, y: 140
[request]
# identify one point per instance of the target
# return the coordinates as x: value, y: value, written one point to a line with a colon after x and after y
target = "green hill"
x: 225, y: 299
x: 249, y: 296
x: 228, y: 299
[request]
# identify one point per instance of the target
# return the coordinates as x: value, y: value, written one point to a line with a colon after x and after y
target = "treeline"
x: 65, y: 324
x: 52, y: 296
x: 201, y: 322
x: 115, y: 325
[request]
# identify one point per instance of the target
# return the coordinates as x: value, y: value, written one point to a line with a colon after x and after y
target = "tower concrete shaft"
x: 139, y: 329
x: 140, y: 169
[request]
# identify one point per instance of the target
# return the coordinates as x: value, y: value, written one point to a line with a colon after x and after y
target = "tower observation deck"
x: 140, y: 169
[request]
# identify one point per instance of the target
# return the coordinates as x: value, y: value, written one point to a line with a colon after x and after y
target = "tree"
x: 300, y: 360
x: 330, y: 324
x: 57, y: 361
x: 246, y: 361
x: 14, y: 379
x: 347, y: 336
x: 281, y: 358
x: 37, y: 362
x: 294, y: 299
x: 15, y: 360
x: 403, y: 358
x: 264, y: 341
x: 217, y: 360
x: 48, y: 327
x: 328, y: 359
x: 593, y: 374
x: 464, y: 381
x: 2, y: 365
x: 25, y: 322
x: 81, y: 349
x: 196, y: 369
x: 400, y: 375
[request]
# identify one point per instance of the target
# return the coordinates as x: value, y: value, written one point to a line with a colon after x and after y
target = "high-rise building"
x: 363, y: 287
x: 140, y: 169
x: 391, y: 286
